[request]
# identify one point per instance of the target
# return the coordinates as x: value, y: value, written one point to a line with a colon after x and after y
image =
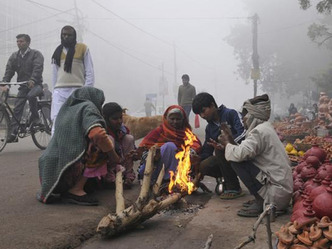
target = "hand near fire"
x: 114, y: 157
x: 215, y: 144
x: 195, y: 160
x: 136, y: 154
x: 225, y: 136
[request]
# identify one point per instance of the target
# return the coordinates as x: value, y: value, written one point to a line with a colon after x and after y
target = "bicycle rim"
x: 4, y: 125
x: 41, y: 135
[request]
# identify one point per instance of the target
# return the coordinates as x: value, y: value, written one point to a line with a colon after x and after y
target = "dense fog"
x: 137, y: 44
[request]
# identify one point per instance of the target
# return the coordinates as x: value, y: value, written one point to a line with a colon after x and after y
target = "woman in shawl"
x: 260, y: 160
x: 78, y: 150
x: 169, y: 136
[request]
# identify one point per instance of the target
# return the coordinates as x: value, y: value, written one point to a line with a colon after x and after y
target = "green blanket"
x: 78, y: 115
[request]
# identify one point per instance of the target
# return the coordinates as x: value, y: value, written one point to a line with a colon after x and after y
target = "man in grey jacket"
x: 186, y: 94
x: 28, y: 64
x: 260, y: 160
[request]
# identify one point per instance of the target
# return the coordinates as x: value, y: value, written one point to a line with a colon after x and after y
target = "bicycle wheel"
x: 41, y: 134
x: 4, y: 127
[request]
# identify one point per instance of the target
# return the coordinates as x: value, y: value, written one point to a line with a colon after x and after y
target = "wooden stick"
x: 120, y: 203
x: 196, y: 180
x: 143, y: 209
x: 252, y: 236
x: 268, y: 229
x: 208, y: 243
x: 145, y: 188
x: 170, y: 200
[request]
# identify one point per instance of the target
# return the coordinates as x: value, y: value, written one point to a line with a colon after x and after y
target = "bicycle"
x: 41, y: 133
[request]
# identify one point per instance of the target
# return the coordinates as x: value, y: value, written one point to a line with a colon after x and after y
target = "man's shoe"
x: 35, y: 125
x: 254, y: 210
x: 231, y: 194
x: 12, y: 138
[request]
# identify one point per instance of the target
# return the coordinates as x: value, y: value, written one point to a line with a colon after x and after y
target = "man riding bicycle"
x: 28, y: 64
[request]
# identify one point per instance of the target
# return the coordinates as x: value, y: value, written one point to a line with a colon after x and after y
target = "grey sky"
x: 130, y: 40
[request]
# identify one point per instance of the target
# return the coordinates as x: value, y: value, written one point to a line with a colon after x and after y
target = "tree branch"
x: 252, y: 236
x: 120, y: 203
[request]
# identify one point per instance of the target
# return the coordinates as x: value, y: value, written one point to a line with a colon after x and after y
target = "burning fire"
x: 182, y: 179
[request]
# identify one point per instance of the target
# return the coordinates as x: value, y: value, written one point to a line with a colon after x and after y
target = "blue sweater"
x: 233, y: 119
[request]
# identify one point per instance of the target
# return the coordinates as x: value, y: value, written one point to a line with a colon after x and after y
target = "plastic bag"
x: 196, y: 121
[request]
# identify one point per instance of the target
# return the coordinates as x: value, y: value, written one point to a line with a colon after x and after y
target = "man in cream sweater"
x: 72, y: 68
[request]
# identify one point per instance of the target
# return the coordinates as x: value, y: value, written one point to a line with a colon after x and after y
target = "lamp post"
x: 255, y: 73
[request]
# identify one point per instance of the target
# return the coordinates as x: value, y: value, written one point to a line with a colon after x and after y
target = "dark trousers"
x: 247, y: 171
x: 187, y: 110
x: 24, y: 94
x: 217, y: 166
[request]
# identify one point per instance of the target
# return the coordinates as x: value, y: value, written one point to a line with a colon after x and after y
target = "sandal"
x: 254, y: 210
x: 248, y: 203
x: 248, y: 213
x: 84, y: 200
x: 281, y: 212
x: 231, y: 194
x: 127, y: 184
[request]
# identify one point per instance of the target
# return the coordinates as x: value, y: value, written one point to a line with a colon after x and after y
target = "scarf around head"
x: 259, y: 111
x: 166, y: 133
x: 56, y: 57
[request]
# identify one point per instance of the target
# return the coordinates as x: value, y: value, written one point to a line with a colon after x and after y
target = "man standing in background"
x: 28, y: 64
x: 148, y: 106
x: 72, y: 68
x: 186, y: 94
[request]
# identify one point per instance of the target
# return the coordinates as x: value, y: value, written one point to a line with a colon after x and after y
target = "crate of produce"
x: 302, y: 146
x: 293, y: 137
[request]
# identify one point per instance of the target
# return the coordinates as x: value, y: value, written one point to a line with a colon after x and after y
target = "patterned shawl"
x: 166, y: 133
x: 78, y: 115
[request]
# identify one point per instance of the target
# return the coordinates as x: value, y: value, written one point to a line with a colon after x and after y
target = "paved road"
x: 26, y: 223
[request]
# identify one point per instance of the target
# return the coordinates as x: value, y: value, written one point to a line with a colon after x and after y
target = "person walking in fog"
x: 148, y: 107
x: 292, y: 109
x: 186, y: 94
x: 28, y: 64
x: 72, y: 68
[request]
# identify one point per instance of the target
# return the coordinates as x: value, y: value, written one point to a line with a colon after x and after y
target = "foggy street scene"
x: 165, y: 124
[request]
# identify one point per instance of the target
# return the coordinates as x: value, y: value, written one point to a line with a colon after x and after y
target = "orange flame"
x: 182, y: 179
